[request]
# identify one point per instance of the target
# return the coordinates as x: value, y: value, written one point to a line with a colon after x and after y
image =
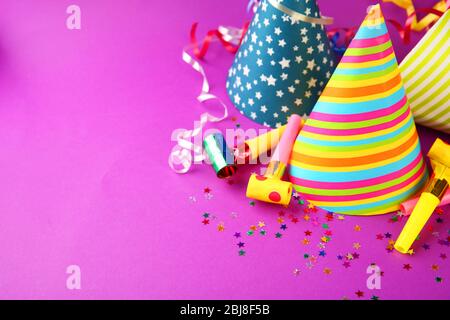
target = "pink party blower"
x: 270, y: 187
x: 408, y: 206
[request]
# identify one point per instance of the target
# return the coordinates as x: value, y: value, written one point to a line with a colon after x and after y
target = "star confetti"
x: 327, y: 271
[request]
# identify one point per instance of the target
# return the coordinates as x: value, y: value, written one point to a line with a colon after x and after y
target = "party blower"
x: 270, y: 187
x: 439, y: 155
x: 225, y: 159
x: 408, y: 206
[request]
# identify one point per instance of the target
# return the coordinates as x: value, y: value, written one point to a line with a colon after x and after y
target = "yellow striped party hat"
x: 426, y: 73
x: 359, y: 152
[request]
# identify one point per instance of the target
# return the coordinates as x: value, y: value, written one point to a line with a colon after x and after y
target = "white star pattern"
x: 237, y: 99
x: 254, y: 37
x: 282, y: 43
x: 284, y: 63
x: 246, y: 71
x: 311, y: 64
x: 312, y: 83
x: 280, y: 93
x: 271, y: 81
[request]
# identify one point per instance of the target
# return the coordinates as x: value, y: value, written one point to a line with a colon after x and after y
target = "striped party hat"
x: 359, y: 152
x: 426, y: 73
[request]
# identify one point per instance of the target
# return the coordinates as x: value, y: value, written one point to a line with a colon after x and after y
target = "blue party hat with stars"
x: 283, y: 63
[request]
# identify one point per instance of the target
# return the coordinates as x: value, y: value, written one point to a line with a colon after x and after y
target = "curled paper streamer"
x: 343, y: 36
x: 252, y: 4
x: 233, y: 35
x: 411, y: 23
x: 180, y: 158
x: 426, y: 21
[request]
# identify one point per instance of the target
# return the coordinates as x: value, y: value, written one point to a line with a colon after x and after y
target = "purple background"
x: 85, y: 124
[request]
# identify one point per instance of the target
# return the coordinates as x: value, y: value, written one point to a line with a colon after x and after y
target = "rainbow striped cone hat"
x: 359, y: 152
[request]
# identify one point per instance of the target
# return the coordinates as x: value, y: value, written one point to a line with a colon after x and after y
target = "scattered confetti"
x: 407, y: 266
x: 327, y: 271
x: 316, y: 232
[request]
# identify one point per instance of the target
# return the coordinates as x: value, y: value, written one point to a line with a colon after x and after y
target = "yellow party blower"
x: 439, y: 155
x: 270, y: 187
